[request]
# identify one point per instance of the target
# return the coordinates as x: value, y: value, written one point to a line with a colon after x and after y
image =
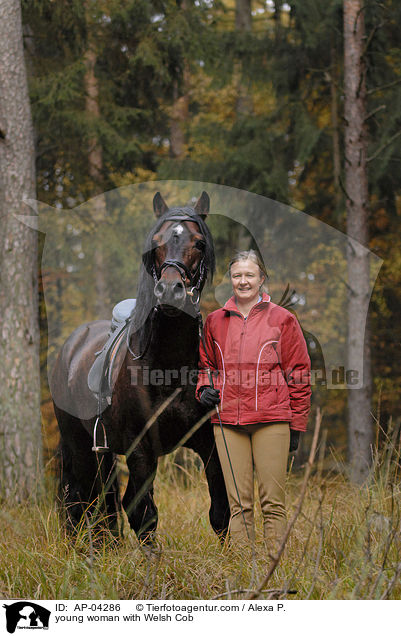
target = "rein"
x: 193, y: 293
x: 210, y: 376
x: 141, y: 355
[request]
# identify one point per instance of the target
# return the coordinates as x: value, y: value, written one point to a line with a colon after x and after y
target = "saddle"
x: 101, y: 372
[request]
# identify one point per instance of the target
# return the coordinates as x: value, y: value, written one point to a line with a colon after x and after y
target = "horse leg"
x: 138, y: 500
x: 78, y: 478
x: 84, y: 476
x: 202, y: 442
x: 108, y: 489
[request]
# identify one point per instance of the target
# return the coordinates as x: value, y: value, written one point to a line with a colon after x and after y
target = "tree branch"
x: 384, y: 87
x: 370, y: 37
x: 275, y: 592
x: 376, y: 110
x: 384, y: 146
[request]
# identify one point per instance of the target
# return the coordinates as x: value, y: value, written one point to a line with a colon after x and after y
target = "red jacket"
x: 260, y: 364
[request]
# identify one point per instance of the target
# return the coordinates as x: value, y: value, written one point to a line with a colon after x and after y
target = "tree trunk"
x: 243, y: 15
x: 278, y: 7
x: 360, y: 423
x: 95, y: 168
x: 335, y: 127
x: 180, y: 108
x: 243, y: 25
x: 20, y: 421
x: 179, y: 117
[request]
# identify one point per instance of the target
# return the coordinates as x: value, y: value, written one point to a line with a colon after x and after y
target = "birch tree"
x: 20, y: 423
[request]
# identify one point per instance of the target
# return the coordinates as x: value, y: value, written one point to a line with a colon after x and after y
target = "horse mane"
x: 145, y: 297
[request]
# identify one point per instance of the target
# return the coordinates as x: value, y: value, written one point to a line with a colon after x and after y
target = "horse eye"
x: 200, y: 245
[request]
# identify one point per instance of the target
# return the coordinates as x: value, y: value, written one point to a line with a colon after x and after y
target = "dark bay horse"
x: 153, y: 407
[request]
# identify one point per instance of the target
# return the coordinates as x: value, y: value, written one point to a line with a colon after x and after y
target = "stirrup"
x: 95, y: 447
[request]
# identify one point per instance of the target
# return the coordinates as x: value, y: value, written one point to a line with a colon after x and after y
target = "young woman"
x: 256, y: 353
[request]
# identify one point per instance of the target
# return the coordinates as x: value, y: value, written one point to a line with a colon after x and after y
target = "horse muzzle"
x: 171, y: 293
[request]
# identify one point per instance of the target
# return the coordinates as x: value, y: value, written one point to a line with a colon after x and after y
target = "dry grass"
x: 345, y: 544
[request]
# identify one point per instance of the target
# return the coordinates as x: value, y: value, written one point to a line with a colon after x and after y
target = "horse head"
x: 180, y: 253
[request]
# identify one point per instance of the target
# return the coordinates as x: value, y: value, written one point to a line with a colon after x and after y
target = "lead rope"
x: 209, y: 373
x: 139, y: 356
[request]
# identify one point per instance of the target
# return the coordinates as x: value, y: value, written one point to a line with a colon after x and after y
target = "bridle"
x: 196, y: 279
x: 193, y: 290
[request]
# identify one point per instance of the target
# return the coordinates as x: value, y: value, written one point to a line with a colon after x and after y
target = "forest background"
x: 238, y: 93
x: 248, y: 95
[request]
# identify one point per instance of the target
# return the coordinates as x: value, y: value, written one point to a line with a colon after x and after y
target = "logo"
x: 26, y: 615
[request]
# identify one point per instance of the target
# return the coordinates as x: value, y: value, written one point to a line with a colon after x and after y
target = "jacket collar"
x: 231, y: 305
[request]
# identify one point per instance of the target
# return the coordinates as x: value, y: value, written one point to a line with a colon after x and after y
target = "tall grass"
x: 345, y: 544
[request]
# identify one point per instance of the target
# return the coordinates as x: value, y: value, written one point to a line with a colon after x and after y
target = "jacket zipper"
x: 242, y: 335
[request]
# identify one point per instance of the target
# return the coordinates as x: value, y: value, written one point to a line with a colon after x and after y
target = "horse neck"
x: 174, y: 340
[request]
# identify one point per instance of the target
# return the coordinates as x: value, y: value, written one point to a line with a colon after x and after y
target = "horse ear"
x: 159, y: 205
x: 202, y: 206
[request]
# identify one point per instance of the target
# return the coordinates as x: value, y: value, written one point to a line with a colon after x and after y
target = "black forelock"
x: 183, y: 212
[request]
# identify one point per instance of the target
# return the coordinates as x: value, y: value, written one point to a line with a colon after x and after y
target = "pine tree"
x: 360, y: 422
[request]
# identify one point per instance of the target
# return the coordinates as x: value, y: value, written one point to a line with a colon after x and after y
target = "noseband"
x: 193, y: 290
x: 196, y: 278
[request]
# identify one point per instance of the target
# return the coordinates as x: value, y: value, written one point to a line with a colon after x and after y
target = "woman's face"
x: 246, y: 280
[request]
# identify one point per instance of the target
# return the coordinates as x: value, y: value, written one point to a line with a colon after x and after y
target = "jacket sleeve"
x: 295, y: 363
x: 206, y: 358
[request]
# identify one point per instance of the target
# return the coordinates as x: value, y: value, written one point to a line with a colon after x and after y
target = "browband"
x: 177, y: 217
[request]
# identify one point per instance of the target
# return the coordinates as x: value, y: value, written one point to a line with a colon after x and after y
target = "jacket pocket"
x: 283, y: 394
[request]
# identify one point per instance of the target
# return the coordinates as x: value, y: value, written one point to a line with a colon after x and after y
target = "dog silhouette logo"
x: 26, y: 615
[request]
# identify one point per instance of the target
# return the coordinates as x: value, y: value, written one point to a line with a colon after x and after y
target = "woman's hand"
x: 209, y: 397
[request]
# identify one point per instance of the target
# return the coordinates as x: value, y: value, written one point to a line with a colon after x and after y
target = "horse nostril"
x: 178, y: 290
x: 159, y: 289
x: 170, y: 293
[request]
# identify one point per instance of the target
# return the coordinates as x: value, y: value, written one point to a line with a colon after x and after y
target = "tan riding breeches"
x: 262, y: 448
